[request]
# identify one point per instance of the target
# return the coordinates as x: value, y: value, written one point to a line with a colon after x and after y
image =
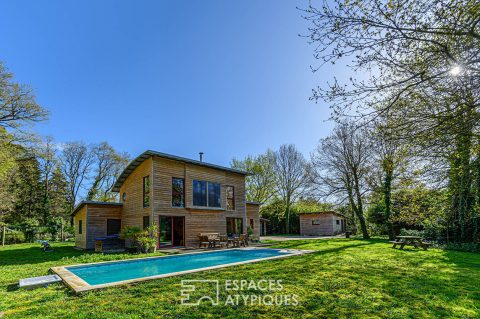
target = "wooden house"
x: 184, y: 197
x: 327, y: 223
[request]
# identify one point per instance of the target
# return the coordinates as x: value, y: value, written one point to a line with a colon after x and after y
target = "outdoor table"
x: 414, y: 241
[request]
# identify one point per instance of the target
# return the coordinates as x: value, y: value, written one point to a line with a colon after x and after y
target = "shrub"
x: 14, y: 237
x: 143, y: 240
x: 470, y: 247
x: 29, y: 228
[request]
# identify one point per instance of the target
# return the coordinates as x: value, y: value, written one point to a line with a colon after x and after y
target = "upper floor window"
x: 206, y: 194
x: 178, y: 192
x: 146, y: 191
x: 230, y: 194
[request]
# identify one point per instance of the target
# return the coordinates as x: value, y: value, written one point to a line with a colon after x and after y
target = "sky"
x: 228, y: 78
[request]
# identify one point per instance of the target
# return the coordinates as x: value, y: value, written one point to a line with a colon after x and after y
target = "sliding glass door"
x: 171, y: 231
x: 234, y: 226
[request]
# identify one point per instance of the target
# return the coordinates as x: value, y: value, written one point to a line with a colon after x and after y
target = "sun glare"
x: 455, y: 70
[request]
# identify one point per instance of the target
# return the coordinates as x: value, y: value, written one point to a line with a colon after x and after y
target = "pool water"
x: 105, y: 273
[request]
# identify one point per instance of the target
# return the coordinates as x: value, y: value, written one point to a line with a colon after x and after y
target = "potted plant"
x: 150, y: 238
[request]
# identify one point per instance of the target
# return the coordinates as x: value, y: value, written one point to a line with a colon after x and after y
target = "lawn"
x: 344, y: 278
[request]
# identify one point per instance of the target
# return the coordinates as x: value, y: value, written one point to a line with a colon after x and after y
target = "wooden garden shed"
x: 328, y: 223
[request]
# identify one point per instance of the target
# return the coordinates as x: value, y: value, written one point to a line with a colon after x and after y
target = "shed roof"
x: 324, y: 212
x: 147, y: 154
x: 90, y: 202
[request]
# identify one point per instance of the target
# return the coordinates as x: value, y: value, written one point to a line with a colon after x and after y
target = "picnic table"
x: 414, y: 241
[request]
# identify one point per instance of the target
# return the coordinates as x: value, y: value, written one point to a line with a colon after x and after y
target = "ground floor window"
x: 113, y: 226
x: 80, y: 230
x: 252, y: 223
x: 234, y: 226
x: 146, y: 221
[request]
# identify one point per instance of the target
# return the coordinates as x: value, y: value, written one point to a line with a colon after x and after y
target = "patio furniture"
x: 211, y: 238
x: 247, y: 239
x: 224, y: 241
x: 203, y: 241
x: 414, y: 241
x: 242, y: 240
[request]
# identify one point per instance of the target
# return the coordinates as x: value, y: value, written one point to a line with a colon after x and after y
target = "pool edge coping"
x: 78, y: 285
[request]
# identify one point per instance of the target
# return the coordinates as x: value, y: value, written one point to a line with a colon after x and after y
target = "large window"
x: 214, y: 195
x: 206, y: 194
x: 146, y: 191
x: 230, y: 194
x: 234, y: 226
x: 178, y: 192
x: 199, y: 193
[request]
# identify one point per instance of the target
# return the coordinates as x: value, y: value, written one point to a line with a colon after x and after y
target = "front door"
x: 171, y: 231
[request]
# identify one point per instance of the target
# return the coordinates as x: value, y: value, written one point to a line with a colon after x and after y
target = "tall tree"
x: 390, y: 156
x: 341, y: 168
x: 260, y: 186
x: 291, y: 172
x: 403, y: 46
x: 17, y: 102
x: 8, y: 167
x: 108, y: 164
x: 47, y: 162
x: 76, y: 161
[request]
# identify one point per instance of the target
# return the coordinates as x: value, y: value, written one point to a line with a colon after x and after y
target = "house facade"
x: 184, y: 197
x: 327, y: 223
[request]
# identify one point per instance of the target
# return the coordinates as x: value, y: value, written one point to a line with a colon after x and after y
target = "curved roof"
x: 147, y: 154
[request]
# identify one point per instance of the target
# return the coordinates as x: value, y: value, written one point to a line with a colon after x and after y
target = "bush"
x: 29, y: 228
x: 14, y: 237
x: 469, y: 247
x: 143, y: 240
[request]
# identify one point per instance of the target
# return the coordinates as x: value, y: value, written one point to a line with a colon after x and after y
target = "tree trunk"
x: 4, y: 229
x: 361, y: 218
x: 287, y: 217
x: 387, y: 195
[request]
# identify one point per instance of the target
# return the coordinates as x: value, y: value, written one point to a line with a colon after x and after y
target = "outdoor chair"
x: 223, y: 241
x: 203, y: 241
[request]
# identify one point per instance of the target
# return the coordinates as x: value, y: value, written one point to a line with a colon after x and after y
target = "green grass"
x: 344, y: 278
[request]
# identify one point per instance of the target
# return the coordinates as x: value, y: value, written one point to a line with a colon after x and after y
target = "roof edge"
x: 322, y: 212
x: 91, y: 202
x: 150, y: 153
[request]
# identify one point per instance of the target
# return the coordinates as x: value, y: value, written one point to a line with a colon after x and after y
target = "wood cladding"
x: 94, y: 220
x: 133, y: 210
x: 197, y: 219
x: 97, y: 221
x: 253, y: 212
x: 81, y: 239
x: 323, y: 224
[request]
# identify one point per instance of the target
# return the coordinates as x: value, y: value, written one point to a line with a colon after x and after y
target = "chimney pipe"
x: 201, y: 156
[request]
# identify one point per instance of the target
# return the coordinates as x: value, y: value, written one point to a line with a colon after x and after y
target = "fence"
x: 11, y: 234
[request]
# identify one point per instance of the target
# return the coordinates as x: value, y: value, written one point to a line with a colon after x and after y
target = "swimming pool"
x: 99, y: 275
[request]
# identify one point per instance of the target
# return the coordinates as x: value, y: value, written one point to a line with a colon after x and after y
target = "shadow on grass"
x: 34, y: 255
